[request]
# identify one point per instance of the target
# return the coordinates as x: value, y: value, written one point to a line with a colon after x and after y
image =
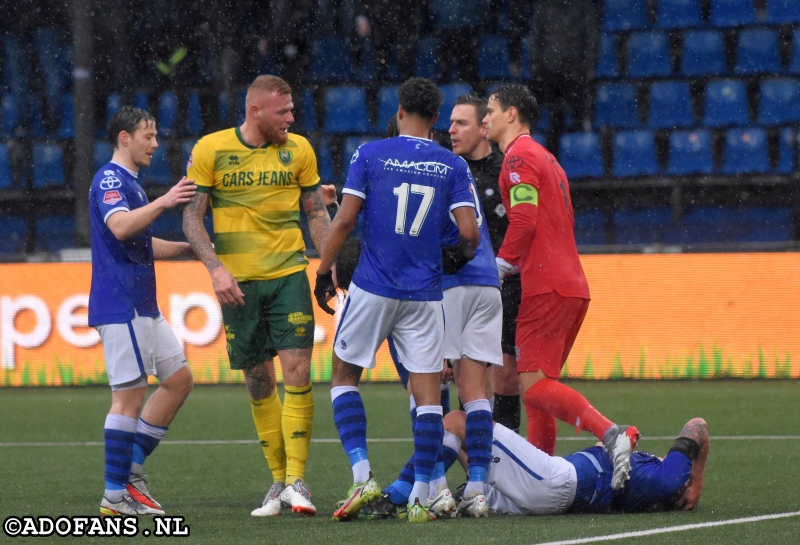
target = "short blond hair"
x: 268, y: 84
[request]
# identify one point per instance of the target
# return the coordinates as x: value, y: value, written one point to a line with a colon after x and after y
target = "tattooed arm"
x: 319, y: 221
x: 225, y: 286
x: 697, y: 430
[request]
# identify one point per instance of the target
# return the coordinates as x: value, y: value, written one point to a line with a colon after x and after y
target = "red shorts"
x: 547, y: 326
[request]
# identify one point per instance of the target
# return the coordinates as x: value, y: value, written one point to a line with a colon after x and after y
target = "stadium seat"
x: 621, y: 15
x: 350, y: 146
x: 783, y: 12
x: 745, y: 152
x: 648, y: 55
x: 308, y: 121
x: 168, y: 113
x: 6, y: 180
x: 670, y: 105
x: 543, y: 123
x: 641, y: 226
x: 194, y: 116
x: 794, y: 61
x: 158, y: 173
x: 66, y: 129
x: 526, y: 61
x: 239, y: 106
x: 773, y: 224
x: 48, y: 165
x: 540, y: 138
x: 732, y: 13
x: 703, y: 54
x: 616, y: 106
x: 9, y: 114
x: 786, y: 151
x: 780, y: 102
x: 757, y: 52
x: 14, y: 229
x: 142, y: 101
x: 113, y: 103
x: 345, y: 110
x: 36, y: 117
x: 590, y: 227
x: 703, y: 225
x: 325, y: 160
x: 726, y: 104
x: 607, y: 65
x: 449, y: 94
x: 689, y: 153
x: 330, y: 61
x: 427, y: 63
x: 634, y: 154
x: 493, y: 60
x: 169, y: 225
x: 579, y: 155
x: 55, y: 232
x: 674, y: 14
x: 103, y: 150
x: 387, y: 107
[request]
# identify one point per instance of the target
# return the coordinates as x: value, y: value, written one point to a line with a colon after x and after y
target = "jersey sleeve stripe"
x: 203, y: 188
x: 310, y: 188
x: 362, y: 196
x: 460, y: 204
x: 117, y: 209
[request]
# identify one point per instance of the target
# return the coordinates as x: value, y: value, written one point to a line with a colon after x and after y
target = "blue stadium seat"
x: 168, y: 113
x: 48, y: 165
x: 6, y: 181
x: 103, y: 150
x: 66, y: 129
x: 325, y: 160
x: 169, y: 225
x: 726, y: 104
x: 763, y: 225
x: 703, y: 225
x: 493, y: 59
x: 36, y: 119
x: 308, y: 121
x: 449, y: 94
x: 670, y: 105
x: 330, y: 61
x: 346, y: 110
x: 616, y: 106
x: 794, y: 62
x: 674, y: 14
x: 703, y: 54
x: 526, y: 61
x: 9, y: 113
x: 779, y: 102
x: 14, y: 229
x: 786, y: 151
x: 239, y: 106
x: 620, y: 15
x: 194, y: 116
x: 732, y: 13
x: 580, y: 155
x: 635, y: 154
x: 783, y: 12
x: 540, y: 138
x: 387, y: 107
x: 648, y: 55
x: 543, y: 123
x: 590, y: 227
x: 427, y: 63
x: 158, y: 173
x: 745, y: 152
x: 757, y: 52
x: 55, y: 232
x: 641, y: 226
x: 607, y: 64
x: 351, y: 144
x: 113, y: 103
x: 689, y: 153
x: 141, y: 101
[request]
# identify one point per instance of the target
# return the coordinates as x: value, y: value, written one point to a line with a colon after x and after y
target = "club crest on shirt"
x: 285, y: 157
x: 111, y: 197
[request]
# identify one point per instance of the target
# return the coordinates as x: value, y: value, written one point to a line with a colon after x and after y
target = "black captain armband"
x: 687, y: 446
x: 453, y: 259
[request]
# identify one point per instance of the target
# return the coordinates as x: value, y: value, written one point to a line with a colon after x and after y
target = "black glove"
x: 325, y: 287
x: 453, y: 259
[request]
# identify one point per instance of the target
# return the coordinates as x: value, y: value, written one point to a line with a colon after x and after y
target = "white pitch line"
x: 382, y: 440
x: 670, y: 529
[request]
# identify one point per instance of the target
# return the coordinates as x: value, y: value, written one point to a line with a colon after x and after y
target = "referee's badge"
x: 285, y: 157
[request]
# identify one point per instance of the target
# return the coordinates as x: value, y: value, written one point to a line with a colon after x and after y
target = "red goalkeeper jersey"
x: 540, y: 239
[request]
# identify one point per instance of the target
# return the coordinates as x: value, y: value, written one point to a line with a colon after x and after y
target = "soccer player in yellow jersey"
x: 255, y: 177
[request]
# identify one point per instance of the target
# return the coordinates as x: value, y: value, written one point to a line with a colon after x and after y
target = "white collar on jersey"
x: 416, y: 138
x: 132, y: 173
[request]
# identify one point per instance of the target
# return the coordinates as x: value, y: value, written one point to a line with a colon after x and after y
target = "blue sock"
x: 478, y: 442
x: 351, y: 423
x: 428, y: 433
x: 147, y: 438
x: 119, y: 433
x: 400, y: 489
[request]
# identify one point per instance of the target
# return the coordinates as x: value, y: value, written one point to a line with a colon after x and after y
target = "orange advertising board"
x: 651, y: 316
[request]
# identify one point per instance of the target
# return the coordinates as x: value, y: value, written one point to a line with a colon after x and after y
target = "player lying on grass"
x: 523, y: 480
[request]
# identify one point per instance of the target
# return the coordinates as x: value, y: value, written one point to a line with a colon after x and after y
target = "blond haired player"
x: 255, y: 177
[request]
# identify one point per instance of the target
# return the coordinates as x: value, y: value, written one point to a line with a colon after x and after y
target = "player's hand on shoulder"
x: 226, y: 288
x: 324, y: 290
x: 180, y: 193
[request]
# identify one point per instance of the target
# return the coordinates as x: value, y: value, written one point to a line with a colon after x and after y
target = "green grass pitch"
x: 215, y: 486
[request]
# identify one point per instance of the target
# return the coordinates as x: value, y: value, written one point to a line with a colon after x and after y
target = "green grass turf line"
x: 216, y: 486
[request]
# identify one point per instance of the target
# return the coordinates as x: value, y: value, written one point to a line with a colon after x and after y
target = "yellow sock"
x: 267, y: 418
x: 298, y: 413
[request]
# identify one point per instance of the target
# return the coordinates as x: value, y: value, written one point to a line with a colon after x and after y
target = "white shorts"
x: 523, y: 480
x: 473, y: 324
x: 417, y: 328
x: 141, y: 347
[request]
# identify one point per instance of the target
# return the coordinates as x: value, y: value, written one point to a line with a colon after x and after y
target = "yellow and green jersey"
x: 255, y: 201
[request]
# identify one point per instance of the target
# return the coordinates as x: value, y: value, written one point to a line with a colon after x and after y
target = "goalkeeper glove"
x: 453, y: 259
x: 325, y: 290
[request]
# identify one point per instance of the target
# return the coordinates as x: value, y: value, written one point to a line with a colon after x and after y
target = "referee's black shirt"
x: 486, y: 172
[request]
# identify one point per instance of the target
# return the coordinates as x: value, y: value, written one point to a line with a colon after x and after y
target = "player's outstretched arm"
x: 319, y: 221
x: 125, y: 225
x: 225, y: 286
x: 697, y: 430
x: 167, y: 249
